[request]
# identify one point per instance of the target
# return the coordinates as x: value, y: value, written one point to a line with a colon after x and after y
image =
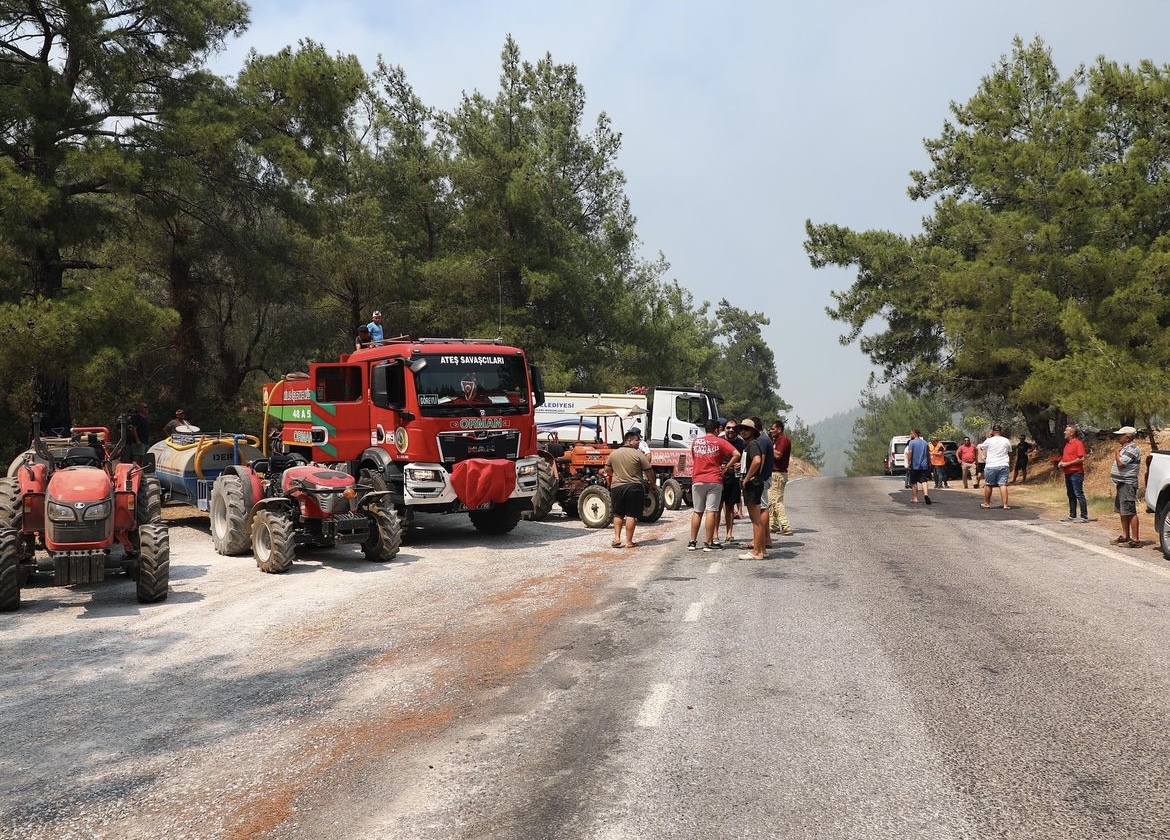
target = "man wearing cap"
x: 1127, y: 461
x: 627, y: 468
x: 753, y: 487
x: 375, y: 328
x: 995, y: 471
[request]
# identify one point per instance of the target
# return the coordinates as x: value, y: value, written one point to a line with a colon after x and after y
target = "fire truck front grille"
x: 496, y: 443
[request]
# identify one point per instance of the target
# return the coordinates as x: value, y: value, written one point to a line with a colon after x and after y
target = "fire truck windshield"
x: 471, y: 384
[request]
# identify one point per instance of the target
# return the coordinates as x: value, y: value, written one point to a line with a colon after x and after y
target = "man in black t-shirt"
x: 1022, y: 450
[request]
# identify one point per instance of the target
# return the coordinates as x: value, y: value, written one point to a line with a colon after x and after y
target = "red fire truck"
x: 446, y: 425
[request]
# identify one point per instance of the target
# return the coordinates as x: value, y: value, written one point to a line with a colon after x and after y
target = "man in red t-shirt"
x: 712, y: 456
x: 1072, y: 461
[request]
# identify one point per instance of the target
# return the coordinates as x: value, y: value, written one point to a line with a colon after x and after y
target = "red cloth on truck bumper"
x: 480, y: 480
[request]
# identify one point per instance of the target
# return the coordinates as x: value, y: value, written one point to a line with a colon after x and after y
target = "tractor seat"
x: 82, y: 456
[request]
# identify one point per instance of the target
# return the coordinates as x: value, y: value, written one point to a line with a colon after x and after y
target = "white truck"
x: 671, y: 417
x: 1158, y: 496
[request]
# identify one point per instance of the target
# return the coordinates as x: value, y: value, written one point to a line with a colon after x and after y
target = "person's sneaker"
x: 1083, y: 519
x: 708, y: 547
x: 1134, y: 544
x: 1122, y: 540
x: 1068, y: 519
x: 787, y: 532
x: 716, y: 545
x: 692, y: 545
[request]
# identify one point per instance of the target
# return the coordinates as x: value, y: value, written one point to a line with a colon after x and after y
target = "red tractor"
x: 278, y: 502
x: 67, y: 504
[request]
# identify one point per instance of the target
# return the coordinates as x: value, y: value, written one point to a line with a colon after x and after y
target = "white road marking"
x: 694, y: 611
x: 1112, y: 554
x: 654, y: 705
x: 714, y: 568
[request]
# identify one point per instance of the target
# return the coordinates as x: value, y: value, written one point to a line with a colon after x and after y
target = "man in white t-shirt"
x: 998, y: 450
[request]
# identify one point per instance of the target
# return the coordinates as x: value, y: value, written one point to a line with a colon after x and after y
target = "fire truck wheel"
x: 672, y: 494
x: 652, y: 506
x: 9, y: 570
x: 11, y: 505
x: 154, y: 563
x: 385, y: 533
x: 546, y: 493
x: 272, y: 541
x: 229, y: 514
x: 595, y: 507
x: 499, y: 520
x: 148, y: 504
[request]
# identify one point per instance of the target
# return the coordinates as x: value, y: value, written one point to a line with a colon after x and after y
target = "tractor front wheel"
x: 229, y: 515
x: 148, y: 504
x: 385, y: 532
x: 154, y: 563
x: 594, y: 507
x: 272, y: 541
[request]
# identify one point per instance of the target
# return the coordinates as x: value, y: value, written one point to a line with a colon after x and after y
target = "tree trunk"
x: 50, y: 382
x: 189, y: 349
x: 1045, y: 425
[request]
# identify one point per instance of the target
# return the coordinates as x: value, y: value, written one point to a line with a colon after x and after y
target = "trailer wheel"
x: 595, y: 507
x: 651, y: 506
x: 273, y: 544
x: 385, y: 533
x: 229, y: 515
x: 672, y: 494
x: 154, y: 563
x: 498, y: 520
x: 9, y: 570
x: 148, y: 504
x: 546, y: 493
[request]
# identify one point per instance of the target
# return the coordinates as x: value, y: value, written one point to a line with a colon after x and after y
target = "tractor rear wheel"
x: 272, y: 541
x: 498, y: 520
x: 595, y: 507
x: 148, y: 504
x: 385, y: 532
x: 545, y: 495
x: 672, y: 494
x: 229, y: 516
x: 9, y: 570
x: 11, y: 505
x: 154, y: 563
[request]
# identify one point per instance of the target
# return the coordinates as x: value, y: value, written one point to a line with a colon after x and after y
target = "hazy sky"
x: 740, y: 120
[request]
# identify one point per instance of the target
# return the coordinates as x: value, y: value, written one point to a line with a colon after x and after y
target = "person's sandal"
x: 1122, y: 540
x: 1134, y: 544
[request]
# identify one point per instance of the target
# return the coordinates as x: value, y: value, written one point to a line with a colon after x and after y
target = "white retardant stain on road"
x: 1111, y: 553
x: 694, y: 611
x: 655, y: 704
x: 714, y: 568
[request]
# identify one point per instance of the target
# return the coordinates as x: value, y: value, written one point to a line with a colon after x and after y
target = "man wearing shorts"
x: 711, y: 456
x: 626, y: 468
x: 1127, y: 463
x: 918, y: 470
x: 995, y: 469
x: 732, y: 497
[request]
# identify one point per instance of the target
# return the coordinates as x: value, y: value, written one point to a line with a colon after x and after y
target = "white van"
x: 896, y: 457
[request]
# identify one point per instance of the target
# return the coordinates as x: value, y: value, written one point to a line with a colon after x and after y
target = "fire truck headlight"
x: 416, y: 474
x: 527, y: 469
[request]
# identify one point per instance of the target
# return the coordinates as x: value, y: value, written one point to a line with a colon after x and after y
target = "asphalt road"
x: 892, y: 671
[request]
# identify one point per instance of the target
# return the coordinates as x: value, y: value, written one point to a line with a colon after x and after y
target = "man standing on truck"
x: 375, y: 328
x: 630, y: 477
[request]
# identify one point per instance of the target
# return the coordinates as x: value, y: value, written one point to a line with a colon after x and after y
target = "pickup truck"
x: 1158, y: 495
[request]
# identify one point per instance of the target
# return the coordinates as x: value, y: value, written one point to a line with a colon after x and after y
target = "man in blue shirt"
x: 375, y: 326
x: 918, y: 465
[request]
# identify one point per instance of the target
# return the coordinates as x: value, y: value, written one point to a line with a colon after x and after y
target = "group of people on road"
x: 734, y: 462
x: 990, y: 461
